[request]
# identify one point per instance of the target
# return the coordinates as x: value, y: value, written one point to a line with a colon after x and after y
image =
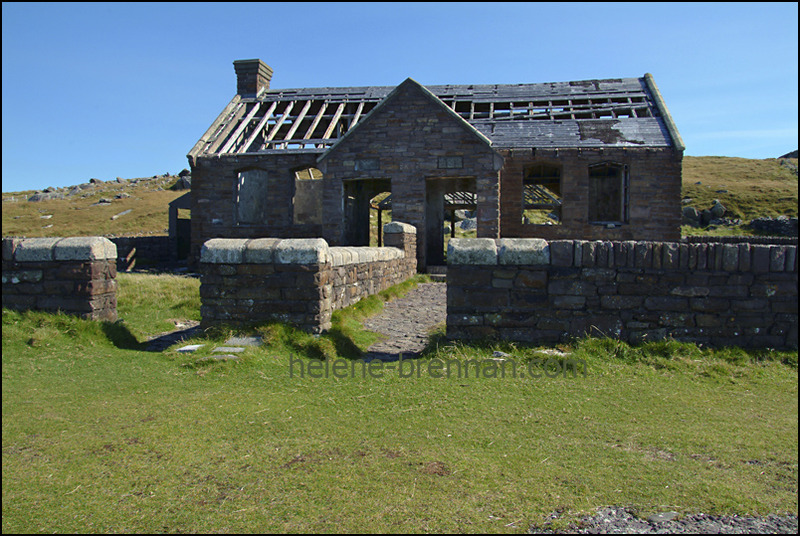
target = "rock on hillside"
x: 156, y: 182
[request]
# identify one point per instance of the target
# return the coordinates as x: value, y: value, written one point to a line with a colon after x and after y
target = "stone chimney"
x: 252, y: 77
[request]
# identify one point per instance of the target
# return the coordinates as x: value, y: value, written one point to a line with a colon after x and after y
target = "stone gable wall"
x: 75, y: 275
x: 537, y: 291
x: 406, y: 137
x: 298, y: 281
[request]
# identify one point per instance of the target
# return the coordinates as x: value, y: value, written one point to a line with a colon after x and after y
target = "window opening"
x: 307, y: 203
x: 608, y: 193
x: 251, y: 197
x: 542, y: 195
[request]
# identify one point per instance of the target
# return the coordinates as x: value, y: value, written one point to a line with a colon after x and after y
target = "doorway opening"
x: 358, y: 198
x: 450, y: 212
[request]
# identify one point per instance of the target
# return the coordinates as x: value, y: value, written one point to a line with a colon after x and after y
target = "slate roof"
x: 591, y: 113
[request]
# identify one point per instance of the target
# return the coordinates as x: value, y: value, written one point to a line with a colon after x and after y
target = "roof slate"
x: 619, y: 112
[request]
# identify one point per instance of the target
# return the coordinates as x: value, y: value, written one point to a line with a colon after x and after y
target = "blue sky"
x: 108, y: 90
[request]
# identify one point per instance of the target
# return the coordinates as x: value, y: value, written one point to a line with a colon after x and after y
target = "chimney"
x: 252, y: 77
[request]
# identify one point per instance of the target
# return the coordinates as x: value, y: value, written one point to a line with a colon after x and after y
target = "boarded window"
x: 251, y: 197
x: 542, y: 194
x: 307, y: 196
x: 367, y: 164
x: 608, y: 194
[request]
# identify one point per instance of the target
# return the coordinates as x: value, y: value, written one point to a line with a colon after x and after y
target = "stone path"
x: 407, y: 321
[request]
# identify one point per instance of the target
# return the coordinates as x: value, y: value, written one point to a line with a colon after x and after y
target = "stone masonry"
x: 654, y: 193
x: 544, y: 292
x: 74, y: 275
x: 298, y: 281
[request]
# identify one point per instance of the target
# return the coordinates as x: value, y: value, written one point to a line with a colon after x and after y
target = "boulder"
x: 184, y: 183
x: 45, y: 196
x: 691, y: 216
x: 718, y: 210
x: 470, y: 224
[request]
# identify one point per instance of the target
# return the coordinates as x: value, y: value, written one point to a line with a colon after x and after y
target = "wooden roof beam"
x: 230, y: 125
x: 298, y: 120
x: 280, y: 121
x: 333, y: 122
x: 258, y: 128
x: 240, y: 129
x: 316, y: 121
x: 357, y: 116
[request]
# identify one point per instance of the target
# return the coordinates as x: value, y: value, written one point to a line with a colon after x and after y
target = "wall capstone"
x: 472, y: 251
x: 223, y: 251
x: 399, y: 227
x: 35, y: 249
x: 302, y: 251
x: 75, y: 275
x: 532, y: 251
x: 81, y: 248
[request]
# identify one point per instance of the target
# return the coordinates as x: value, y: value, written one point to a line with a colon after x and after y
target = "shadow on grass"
x: 121, y: 337
x: 344, y: 344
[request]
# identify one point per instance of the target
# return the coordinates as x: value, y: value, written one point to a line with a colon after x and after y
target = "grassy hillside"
x: 747, y: 188
x: 83, y: 213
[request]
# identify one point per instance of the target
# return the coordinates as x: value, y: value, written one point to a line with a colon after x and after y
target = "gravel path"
x: 619, y: 521
x: 406, y: 321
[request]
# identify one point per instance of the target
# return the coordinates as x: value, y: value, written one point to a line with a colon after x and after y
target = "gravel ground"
x: 616, y: 520
x: 406, y: 321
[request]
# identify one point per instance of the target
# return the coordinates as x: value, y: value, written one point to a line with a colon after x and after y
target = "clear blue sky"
x: 108, y: 90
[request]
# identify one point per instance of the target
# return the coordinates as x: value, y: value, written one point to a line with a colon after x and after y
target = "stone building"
x: 595, y: 160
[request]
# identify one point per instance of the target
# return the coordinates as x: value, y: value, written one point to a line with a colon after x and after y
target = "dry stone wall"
x: 298, y: 281
x: 537, y: 291
x: 75, y: 275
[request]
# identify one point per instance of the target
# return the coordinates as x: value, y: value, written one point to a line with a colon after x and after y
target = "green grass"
x: 82, y: 216
x: 102, y: 436
x: 747, y: 188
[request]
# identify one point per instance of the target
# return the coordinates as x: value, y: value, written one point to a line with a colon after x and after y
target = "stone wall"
x: 537, y: 291
x: 214, y: 197
x: 298, y: 281
x: 143, y: 250
x: 653, y: 199
x: 75, y: 275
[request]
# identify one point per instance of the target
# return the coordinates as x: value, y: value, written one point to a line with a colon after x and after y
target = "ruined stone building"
x: 595, y: 159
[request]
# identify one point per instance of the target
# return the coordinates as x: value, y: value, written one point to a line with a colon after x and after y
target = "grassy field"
x: 83, y: 215
x: 748, y: 188
x: 100, y: 435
